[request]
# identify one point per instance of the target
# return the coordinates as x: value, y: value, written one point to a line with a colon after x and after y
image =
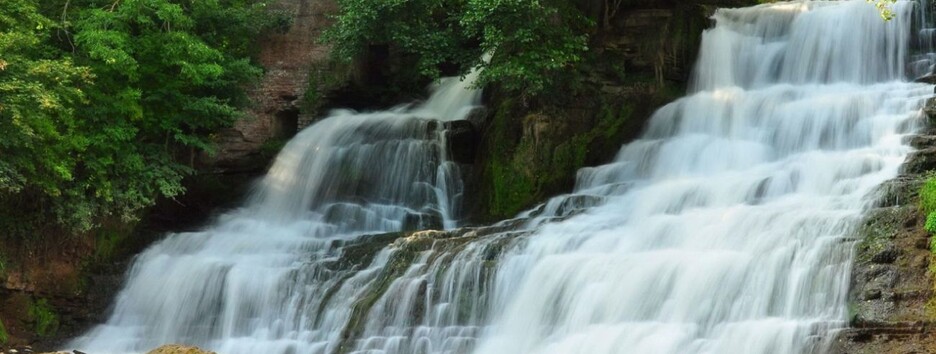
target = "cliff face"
x: 640, y: 59
x: 891, y: 300
x: 288, y: 58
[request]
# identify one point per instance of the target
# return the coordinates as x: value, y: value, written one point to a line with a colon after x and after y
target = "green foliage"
x: 108, y: 242
x: 523, y: 172
x: 4, y: 265
x: 4, y: 337
x: 532, y: 41
x: 928, y: 196
x: 43, y: 317
x: 884, y: 7
x: 930, y: 223
x: 98, y: 108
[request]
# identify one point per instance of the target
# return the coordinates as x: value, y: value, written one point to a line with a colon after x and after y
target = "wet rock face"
x: 422, y: 221
x: 891, y: 283
x: 920, y: 161
x: 461, y: 139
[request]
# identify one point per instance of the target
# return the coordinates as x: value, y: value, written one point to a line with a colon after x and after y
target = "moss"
x: 877, y: 231
x: 510, y: 189
x: 108, y: 242
x: 598, y: 105
x: 927, y: 207
x: 523, y: 172
x: 4, y: 265
x: 42, y: 315
x: 4, y: 337
x: 513, y: 190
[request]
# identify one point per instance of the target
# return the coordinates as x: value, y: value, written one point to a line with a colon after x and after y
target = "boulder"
x: 922, y: 141
x: 930, y: 110
x: 886, y: 256
x: 178, y: 349
x: 920, y: 162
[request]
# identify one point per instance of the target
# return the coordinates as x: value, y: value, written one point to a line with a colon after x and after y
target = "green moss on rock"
x: 538, y: 155
x: 4, y: 336
x: 42, y: 315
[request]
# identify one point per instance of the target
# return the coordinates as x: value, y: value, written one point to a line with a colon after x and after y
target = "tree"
x: 39, y: 93
x: 532, y: 41
x: 125, y: 89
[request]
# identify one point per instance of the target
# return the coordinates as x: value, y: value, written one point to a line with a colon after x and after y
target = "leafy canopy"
x: 532, y: 41
x: 98, y: 105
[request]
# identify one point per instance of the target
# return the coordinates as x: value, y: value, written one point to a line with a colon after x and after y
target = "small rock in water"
x: 178, y: 349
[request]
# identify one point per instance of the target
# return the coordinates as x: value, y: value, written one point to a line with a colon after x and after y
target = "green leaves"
x: 884, y: 7
x: 532, y: 40
x: 95, y: 108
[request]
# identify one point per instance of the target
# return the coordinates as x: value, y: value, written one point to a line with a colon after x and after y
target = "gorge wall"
x: 274, y: 117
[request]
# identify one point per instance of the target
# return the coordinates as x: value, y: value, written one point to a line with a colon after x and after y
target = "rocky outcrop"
x: 275, y: 115
x: 641, y: 59
x: 891, y: 295
x: 53, y: 286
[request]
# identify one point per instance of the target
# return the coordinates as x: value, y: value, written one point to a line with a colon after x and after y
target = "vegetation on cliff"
x: 102, y: 101
x: 4, y: 337
x: 532, y: 41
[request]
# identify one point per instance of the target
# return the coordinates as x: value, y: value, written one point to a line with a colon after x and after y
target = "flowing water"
x: 724, y: 229
x: 923, y: 60
x: 253, y: 282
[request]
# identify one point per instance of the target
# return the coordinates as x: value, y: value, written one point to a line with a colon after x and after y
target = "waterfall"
x: 255, y: 278
x: 923, y: 60
x: 726, y: 228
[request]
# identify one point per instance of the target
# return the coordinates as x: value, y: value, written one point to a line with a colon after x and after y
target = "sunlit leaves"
x: 884, y: 7
x: 95, y: 106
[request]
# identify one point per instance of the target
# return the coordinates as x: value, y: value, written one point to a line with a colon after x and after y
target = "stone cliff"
x: 274, y: 117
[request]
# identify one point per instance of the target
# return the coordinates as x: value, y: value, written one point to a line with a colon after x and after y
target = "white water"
x: 724, y: 229
x: 251, y: 282
x: 923, y: 61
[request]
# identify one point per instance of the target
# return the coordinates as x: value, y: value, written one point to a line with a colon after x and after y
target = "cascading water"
x: 923, y: 60
x: 253, y: 281
x: 724, y: 229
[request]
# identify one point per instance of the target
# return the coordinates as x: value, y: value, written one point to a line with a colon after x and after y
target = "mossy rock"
x: 44, y: 318
x: 878, y: 230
